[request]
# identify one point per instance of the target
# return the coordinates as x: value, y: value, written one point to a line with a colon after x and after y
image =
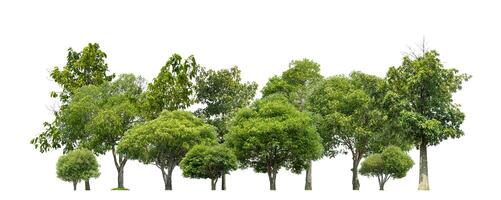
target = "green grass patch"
x: 124, y: 189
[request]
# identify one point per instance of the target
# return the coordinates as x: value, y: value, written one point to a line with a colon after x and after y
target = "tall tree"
x: 296, y: 83
x: 422, y: 87
x: 391, y: 163
x: 96, y: 117
x: 77, y: 165
x: 165, y: 140
x: 210, y: 162
x: 273, y: 134
x: 173, y: 88
x: 87, y: 67
x: 222, y: 92
x: 351, y: 117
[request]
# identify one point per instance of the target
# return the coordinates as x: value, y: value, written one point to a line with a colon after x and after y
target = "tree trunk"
x: 354, y: 181
x: 423, y: 166
x: 120, y: 177
x: 272, y: 177
x: 119, y: 165
x: 381, y: 186
x: 167, y: 177
x: 213, y: 183
x: 74, y: 185
x: 87, y: 184
x: 307, y: 184
x: 223, y: 182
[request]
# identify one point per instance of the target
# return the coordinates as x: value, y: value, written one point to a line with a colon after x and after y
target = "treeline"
x: 301, y: 117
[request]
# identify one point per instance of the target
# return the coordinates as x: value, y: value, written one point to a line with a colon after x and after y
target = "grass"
x: 122, y: 189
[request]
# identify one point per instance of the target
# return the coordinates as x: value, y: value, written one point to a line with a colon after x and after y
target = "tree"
x: 422, y: 88
x: 272, y: 134
x: 296, y: 83
x: 165, y: 140
x: 173, y: 88
x: 209, y: 162
x: 115, y: 109
x: 87, y: 67
x: 77, y: 165
x: 222, y: 93
x: 391, y: 163
x: 351, y: 117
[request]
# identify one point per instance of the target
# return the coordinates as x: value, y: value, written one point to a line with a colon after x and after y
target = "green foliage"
x: 165, y: 140
x: 173, y: 88
x: 77, y: 165
x: 208, y: 162
x: 349, y: 114
x: 391, y: 163
x: 87, y: 67
x: 295, y: 83
x: 273, y: 134
x: 222, y: 93
x: 95, y: 117
x: 422, y: 89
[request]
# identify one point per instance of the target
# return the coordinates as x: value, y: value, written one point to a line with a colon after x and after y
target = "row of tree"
x: 300, y: 118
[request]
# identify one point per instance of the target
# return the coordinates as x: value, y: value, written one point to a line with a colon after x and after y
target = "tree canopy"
x: 272, y: 134
x: 77, y: 165
x: 165, y: 140
x: 210, y: 162
x: 391, y: 163
x: 173, y: 88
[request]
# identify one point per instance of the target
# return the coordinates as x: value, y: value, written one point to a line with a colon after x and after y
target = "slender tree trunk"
x: 423, y: 166
x: 120, y: 177
x: 354, y: 181
x: 272, y: 177
x: 119, y: 165
x: 307, y: 183
x: 213, y: 183
x: 87, y: 184
x: 381, y: 186
x: 74, y: 185
x: 223, y: 182
x: 168, y: 177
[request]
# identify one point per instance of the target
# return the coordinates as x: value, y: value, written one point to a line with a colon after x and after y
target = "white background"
x: 261, y: 37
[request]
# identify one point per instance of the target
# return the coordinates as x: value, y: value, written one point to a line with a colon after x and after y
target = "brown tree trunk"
x: 223, y: 182
x: 213, y: 183
x: 74, y: 185
x: 354, y: 181
x: 87, y: 184
x: 307, y: 183
x: 423, y: 165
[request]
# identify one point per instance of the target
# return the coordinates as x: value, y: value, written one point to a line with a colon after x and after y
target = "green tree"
x: 165, y: 140
x: 173, y: 88
x: 296, y: 83
x: 96, y: 117
x: 209, y: 162
x: 77, y: 165
x: 351, y: 117
x: 422, y: 88
x: 222, y: 93
x: 111, y: 109
x: 273, y: 134
x: 391, y: 163
x: 87, y: 67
